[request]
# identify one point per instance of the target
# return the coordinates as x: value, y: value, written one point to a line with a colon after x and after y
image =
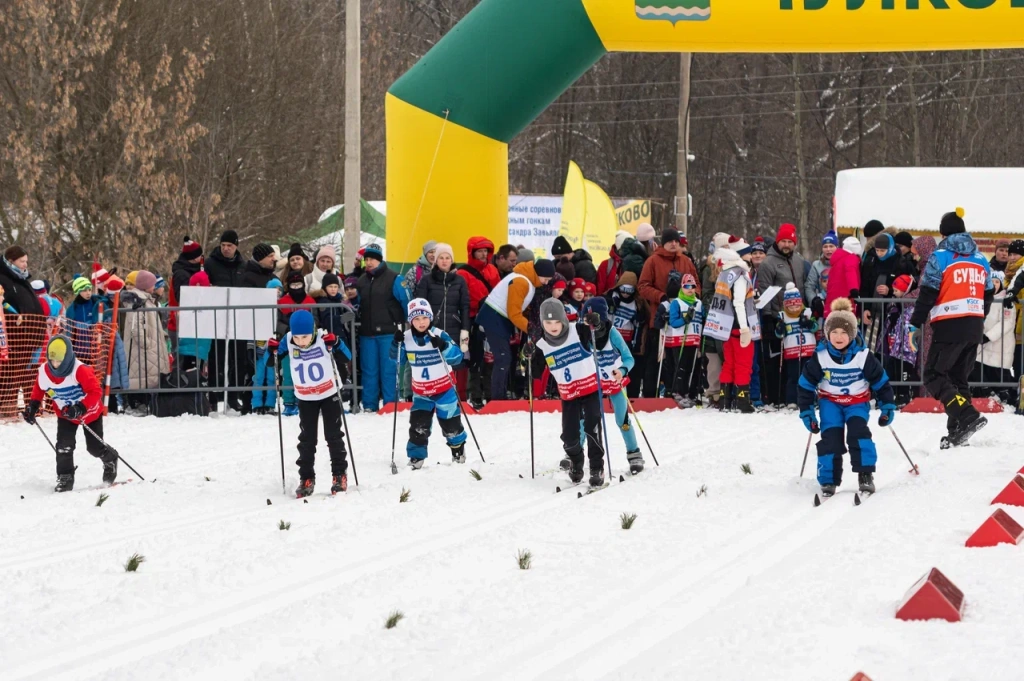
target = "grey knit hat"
x: 553, y: 309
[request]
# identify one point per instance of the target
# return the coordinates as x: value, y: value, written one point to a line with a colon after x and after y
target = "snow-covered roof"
x: 914, y: 199
x: 379, y: 206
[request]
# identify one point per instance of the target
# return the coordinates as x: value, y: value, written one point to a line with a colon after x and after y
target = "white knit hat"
x: 851, y: 244
x: 418, y: 307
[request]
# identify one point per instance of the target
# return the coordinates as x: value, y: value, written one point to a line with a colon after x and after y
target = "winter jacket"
x: 224, y: 272
x: 382, y: 301
x: 119, y: 379
x: 814, y: 287
x: 843, y: 277
x: 85, y: 312
x: 255, y: 275
x: 518, y: 289
x: 18, y: 291
x: 145, y: 344
x: 654, y: 277
x: 448, y: 296
x: 181, y: 273
x: 286, y: 306
x: 813, y: 374
x: 1015, y: 277
x: 952, y: 249
x: 778, y: 270
x: 609, y: 271
x: 997, y: 266
x: 634, y: 255
x: 480, y: 277
x: 998, y: 343
x: 925, y: 246
x: 584, y: 266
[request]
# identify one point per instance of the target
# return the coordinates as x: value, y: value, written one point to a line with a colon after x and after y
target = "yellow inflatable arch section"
x: 451, y: 116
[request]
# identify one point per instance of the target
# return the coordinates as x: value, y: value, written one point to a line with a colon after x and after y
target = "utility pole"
x: 682, y: 202
x: 353, y: 132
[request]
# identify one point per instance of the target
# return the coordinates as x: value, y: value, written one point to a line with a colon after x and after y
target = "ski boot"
x: 305, y: 488
x: 597, y: 477
x: 416, y: 464
x: 339, y: 483
x: 476, y: 404
x: 565, y: 464
x: 636, y: 461
x: 867, y: 482
x: 65, y: 483
x: 682, y: 401
x: 967, y: 429
x: 725, y: 397
x: 743, y: 399
x: 576, y: 469
x: 828, y: 491
x: 110, y: 470
x: 290, y: 410
x: 459, y: 453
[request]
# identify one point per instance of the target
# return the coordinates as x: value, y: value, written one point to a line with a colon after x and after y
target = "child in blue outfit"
x: 842, y: 374
x: 264, y: 401
x: 433, y: 387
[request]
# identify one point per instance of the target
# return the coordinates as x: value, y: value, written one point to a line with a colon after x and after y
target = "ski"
x: 860, y: 497
x: 819, y: 500
x: 580, y: 495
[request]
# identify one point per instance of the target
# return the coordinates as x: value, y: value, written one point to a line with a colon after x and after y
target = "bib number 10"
x: 316, y: 373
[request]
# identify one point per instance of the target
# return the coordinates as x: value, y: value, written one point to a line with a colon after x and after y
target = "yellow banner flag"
x: 600, y: 224
x: 574, y: 208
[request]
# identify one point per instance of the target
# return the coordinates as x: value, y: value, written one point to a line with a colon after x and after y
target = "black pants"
x: 66, y: 434
x: 636, y: 376
x: 309, y: 414
x: 667, y: 367
x: 228, y: 366
x: 687, y: 380
x: 901, y: 370
x: 479, y: 381
x: 588, y: 410
x: 771, y: 374
x: 946, y: 374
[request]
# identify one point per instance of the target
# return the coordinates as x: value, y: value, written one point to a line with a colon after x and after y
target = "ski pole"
x: 451, y: 379
x: 344, y: 421
x: 277, y: 407
x: 529, y: 384
x: 112, y: 450
x: 600, y: 397
x: 637, y: 419
x: 394, y: 425
x: 661, y: 361
x: 45, y: 436
x: 913, y: 466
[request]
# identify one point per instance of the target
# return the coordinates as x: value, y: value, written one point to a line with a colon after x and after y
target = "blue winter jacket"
x: 952, y: 249
x: 874, y: 374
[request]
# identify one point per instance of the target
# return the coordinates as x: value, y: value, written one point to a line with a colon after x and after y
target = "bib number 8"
x: 568, y: 375
x: 316, y: 373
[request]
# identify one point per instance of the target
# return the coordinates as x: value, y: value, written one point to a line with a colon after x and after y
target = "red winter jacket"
x: 86, y: 377
x: 474, y: 270
x: 609, y: 272
x: 842, y: 278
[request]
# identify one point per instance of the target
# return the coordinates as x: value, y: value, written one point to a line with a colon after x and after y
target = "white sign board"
x: 238, y: 323
x: 534, y: 221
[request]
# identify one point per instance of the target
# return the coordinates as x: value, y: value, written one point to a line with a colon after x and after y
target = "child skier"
x: 433, y: 389
x: 629, y: 316
x: 567, y: 351
x: 842, y: 374
x: 318, y: 394
x: 686, y: 313
x: 733, y: 320
x: 615, y: 361
x: 77, y: 398
x: 796, y: 330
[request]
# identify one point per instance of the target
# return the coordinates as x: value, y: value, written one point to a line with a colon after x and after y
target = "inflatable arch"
x: 451, y: 116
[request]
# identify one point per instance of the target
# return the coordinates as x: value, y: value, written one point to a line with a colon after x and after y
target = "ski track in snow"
x: 750, y: 579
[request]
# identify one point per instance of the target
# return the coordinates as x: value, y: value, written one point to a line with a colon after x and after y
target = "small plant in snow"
x: 476, y: 476
x: 404, y: 496
x: 102, y: 499
x: 134, y: 562
x: 702, y: 492
x: 207, y: 478
x: 746, y: 469
x: 284, y: 526
x: 525, y: 559
x: 627, y: 520
x: 394, y: 618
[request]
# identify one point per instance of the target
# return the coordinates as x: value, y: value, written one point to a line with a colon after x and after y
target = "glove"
x: 330, y: 340
x: 660, y: 318
x: 438, y: 342
x: 888, y: 414
x: 529, y: 349
x: 913, y: 337
x: 806, y: 324
x: 818, y: 308
x: 75, y: 411
x: 30, y: 412
x: 810, y: 420
x: 399, y: 337
x: 744, y: 338
x: 274, y: 344
x: 688, y: 317
x: 593, y: 319
x: 1009, y: 301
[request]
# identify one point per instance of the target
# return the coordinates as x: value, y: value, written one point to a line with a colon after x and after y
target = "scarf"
x: 16, y: 270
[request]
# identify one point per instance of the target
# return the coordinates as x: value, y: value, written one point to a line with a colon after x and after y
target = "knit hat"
x: 741, y: 247
x: 60, y: 350
x: 114, y: 284
x: 841, y: 317
x: 38, y: 286
x: 1001, y: 276
x: 620, y: 238
x: 273, y: 283
x: 191, y: 250
x: 787, y: 232
x: 683, y: 241
x: 261, y: 251
x: 577, y: 284
x: 644, y: 232
x: 905, y: 239
x: 830, y: 238
x: 327, y: 252
x: 418, y: 307
x: 201, y: 278
x: 791, y: 297
x: 903, y: 283
x: 952, y: 223
x: 301, y: 323
x: 350, y: 282
x: 160, y: 283
x: 145, y: 281
x: 444, y: 248
x: 99, y: 275
x: 598, y: 305
x: 295, y: 277
x: 885, y: 242
x: 15, y: 253
x: 720, y: 240
x: 429, y: 246
x: 553, y: 309
x: 559, y: 283
x: 80, y: 284
x: 229, y: 236
x: 669, y: 235
x: 759, y: 247
x: 130, y: 279
x: 627, y: 279
x: 561, y: 246
x: 329, y: 279
x: 544, y: 268
x: 590, y: 289
x: 873, y: 228
x: 294, y: 250
x: 851, y: 244
x: 689, y: 280
x: 374, y: 251
x: 526, y: 255
x: 1017, y: 247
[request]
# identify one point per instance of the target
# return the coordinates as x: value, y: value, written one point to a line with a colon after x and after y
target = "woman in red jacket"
x: 844, y: 277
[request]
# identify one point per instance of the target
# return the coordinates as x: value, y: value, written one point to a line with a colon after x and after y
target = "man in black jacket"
x: 382, y: 305
x: 228, y: 358
x: 260, y: 269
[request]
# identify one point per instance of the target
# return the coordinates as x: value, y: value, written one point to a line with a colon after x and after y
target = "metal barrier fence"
x: 224, y: 354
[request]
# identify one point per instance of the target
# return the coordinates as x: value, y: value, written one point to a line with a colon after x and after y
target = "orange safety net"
x: 26, y: 339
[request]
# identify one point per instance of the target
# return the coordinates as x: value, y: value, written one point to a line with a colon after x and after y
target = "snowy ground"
x: 747, y: 582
